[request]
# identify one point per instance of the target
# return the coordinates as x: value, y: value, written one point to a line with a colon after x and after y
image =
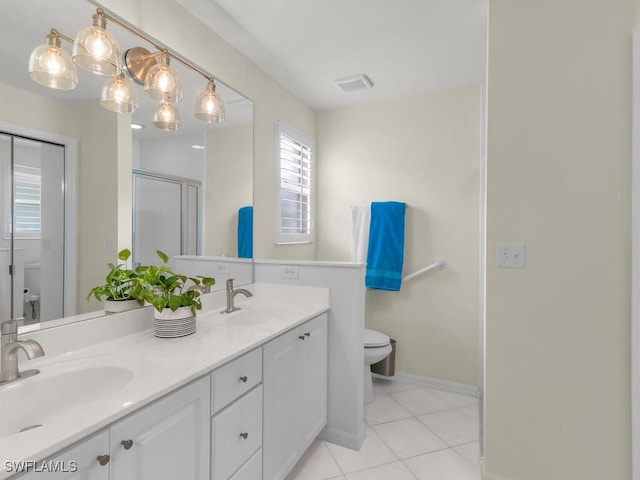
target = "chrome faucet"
x: 231, y: 294
x: 9, y: 346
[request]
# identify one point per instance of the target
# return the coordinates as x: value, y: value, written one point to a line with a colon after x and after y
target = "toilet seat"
x: 374, y: 339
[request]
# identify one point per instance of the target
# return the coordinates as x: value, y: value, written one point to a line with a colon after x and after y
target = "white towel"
x: 360, y: 237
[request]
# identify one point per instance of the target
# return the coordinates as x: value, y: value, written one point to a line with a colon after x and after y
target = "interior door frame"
x: 70, y: 204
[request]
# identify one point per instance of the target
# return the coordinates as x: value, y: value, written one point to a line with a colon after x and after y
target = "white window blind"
x: 294, y: 209
x: 27, y: 188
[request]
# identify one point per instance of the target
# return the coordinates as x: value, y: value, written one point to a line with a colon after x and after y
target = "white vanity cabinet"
x: 236, y: 424
x: 295, y: 395
x: 166, y: 440
x: 88, y: 460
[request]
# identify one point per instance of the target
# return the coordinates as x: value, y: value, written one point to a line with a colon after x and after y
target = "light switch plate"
x: 510, y: 255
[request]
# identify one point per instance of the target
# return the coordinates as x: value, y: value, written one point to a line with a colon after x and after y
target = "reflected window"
x: 294, y: 211
x: 27, y: 206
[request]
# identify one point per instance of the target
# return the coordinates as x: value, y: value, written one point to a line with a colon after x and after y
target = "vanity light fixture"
x: 136, y: 126
x: 97, y: 51
x: 51, y: 66
x: 167, y: 116
x: 118, y: 95
x: 209, y: 107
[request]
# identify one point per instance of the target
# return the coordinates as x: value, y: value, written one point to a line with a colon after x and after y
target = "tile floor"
x: 412, y: 433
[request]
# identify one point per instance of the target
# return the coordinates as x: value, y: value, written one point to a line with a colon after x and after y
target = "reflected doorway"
x: 32, y: 233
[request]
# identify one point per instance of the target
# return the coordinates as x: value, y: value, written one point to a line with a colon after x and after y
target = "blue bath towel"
x: 386, y: 246
x: 245, y: 232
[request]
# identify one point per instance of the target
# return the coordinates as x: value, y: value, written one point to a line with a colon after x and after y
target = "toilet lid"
x: 373, y: 338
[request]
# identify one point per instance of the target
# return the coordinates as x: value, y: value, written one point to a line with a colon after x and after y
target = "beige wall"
x: 229, y: 186
x: 424, y: 151
x: 270, y: 100
x: 558, y: 179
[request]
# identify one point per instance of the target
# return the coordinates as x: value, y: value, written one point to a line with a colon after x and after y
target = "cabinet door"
x: 281, y: 384
x: 314, y: 381
x: 167, y: 440
x: 78, y: 463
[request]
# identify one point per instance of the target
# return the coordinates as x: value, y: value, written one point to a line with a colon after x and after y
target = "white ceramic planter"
x: 118, y: 306
x: 170, y: 324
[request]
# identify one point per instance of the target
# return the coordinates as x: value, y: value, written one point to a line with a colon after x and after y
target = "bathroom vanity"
x: 244, y: 395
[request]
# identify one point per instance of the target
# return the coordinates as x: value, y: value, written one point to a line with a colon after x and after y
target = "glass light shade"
x: 209, y: 106
x: 51, y: 66
x: 167, y: 117
x: 163, y: 83
x: 96, y: 50
x: 118, y: 95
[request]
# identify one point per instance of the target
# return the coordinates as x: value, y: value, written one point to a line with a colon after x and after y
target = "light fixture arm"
x: 162, y: 50
x: 56, y: 35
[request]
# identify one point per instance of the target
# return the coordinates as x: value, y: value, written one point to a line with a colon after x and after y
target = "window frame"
x: 306, y: 141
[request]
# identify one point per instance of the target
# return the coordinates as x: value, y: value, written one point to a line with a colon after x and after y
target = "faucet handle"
x: 10, y: 327
x: 230, y: 283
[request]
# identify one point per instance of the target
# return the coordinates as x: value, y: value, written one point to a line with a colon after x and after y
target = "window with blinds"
x: 27, y: 188
x: 293, y: 213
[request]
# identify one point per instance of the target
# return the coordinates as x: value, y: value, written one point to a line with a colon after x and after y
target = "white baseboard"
x: 429, y: 382
x: 343, y: 439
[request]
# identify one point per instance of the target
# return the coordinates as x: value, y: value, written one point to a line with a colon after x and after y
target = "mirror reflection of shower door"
x: 166, y: 217
x: 33, y: 223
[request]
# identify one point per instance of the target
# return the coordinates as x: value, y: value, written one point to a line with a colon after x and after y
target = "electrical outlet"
x: 289, y: 272
x: 510, y: 255
x: 222, y: 268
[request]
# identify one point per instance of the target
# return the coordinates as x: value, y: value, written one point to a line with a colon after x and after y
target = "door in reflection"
x: 32, y: 198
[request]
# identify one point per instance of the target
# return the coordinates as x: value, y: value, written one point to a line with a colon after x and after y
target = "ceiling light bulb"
x: 118, y: 95
x: 162, y: 82
x: 96, y: 50
x: 51, y: 66
x: 209, y: 106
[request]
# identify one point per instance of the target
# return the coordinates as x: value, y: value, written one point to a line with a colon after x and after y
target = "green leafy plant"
x: 163, y: 288
x: 121, y: 282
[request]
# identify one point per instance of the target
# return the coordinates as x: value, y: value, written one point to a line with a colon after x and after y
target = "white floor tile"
x: 316, y: 464
x: 391, y: 386
x: 442, y: 465
x: 372, y: 453
x: 420, y: 401
x: 408, y: 437
x: 384, y: 409
x: 453, y: 427
x: 391, y: 471
x: 455, y: 399
x: 472, y: 411
x: 470, y: 452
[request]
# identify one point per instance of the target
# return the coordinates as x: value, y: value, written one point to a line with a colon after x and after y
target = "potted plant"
x: 120, y: 289
x: 175, y: 297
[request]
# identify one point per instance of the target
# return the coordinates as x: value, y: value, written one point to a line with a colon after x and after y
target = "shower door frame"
x: 70, y: 203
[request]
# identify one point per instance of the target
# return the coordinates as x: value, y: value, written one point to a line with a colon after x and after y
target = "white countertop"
x: 159, y: 366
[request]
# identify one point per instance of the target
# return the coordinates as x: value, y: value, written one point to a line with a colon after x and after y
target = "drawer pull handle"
x: 127, y: 444
x: 103, y: 459
x: 244, y: 435
x: 307, y: 334
x: 301, y: 337
x: 243, y: 379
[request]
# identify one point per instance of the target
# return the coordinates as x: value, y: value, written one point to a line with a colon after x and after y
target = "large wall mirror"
x: 77, y: 183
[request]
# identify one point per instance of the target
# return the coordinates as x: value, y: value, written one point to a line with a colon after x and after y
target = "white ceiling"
x: 406, y: 47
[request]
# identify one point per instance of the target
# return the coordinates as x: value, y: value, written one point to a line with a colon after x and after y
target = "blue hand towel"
x: 245, y: 232
x: 386, y: 246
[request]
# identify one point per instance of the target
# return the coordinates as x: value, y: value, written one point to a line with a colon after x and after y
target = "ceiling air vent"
x: 354, y: 83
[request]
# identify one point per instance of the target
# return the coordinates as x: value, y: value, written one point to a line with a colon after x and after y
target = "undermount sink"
x: 33, y: 402
x: 257, y: 315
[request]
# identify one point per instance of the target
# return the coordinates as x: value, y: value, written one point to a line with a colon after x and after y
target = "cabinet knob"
x: 307, y: 334
x: 244, y: 435
x: 301, y: 337
x: 243, y: 379
x: 127, y: 444
x: 103, y: 459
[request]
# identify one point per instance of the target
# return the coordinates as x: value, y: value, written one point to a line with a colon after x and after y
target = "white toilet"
x: 377, y: 346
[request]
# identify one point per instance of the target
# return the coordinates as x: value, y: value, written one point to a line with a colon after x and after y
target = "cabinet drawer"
x: 236, y: 433
x: 235, y: 379
x: 252, y: 470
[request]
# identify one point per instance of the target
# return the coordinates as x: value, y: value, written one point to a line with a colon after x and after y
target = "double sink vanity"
x: 241, y: 398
